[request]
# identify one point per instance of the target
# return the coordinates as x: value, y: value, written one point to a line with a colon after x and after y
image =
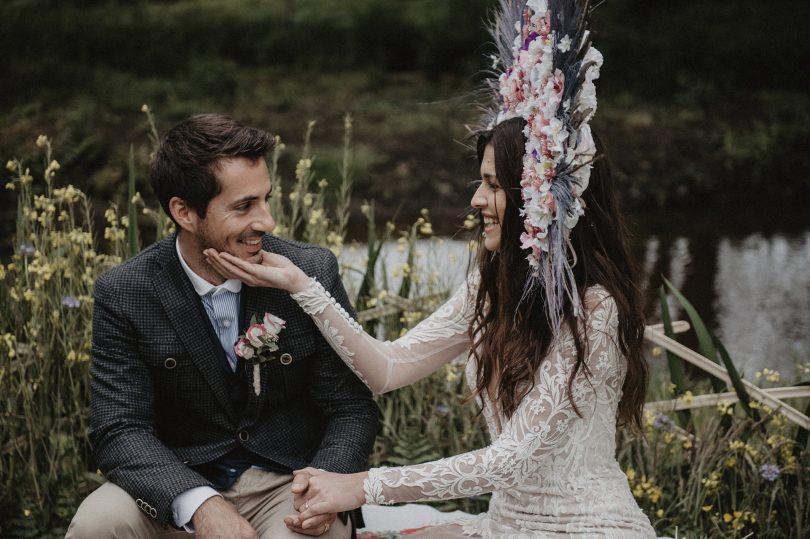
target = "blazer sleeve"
x: 122, y: 413
x: 344, y: 400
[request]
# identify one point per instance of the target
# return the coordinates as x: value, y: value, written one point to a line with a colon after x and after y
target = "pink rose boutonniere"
x: 258, y: 343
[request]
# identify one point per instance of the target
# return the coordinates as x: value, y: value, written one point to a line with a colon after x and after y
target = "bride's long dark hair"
x: 511, y: 332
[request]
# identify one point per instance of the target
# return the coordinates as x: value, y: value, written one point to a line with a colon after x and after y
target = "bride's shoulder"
x: 598, y: 298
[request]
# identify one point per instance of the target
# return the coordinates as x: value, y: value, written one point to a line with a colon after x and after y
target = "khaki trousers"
x: 263, y: 498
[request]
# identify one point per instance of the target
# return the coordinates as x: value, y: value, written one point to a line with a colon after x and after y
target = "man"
x: 176, y: 424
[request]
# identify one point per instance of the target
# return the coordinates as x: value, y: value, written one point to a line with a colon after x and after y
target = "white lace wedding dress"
x: 551, y: 473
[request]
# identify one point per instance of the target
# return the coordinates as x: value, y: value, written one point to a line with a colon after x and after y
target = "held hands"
x: 318, y: 493
x: 273, y: 271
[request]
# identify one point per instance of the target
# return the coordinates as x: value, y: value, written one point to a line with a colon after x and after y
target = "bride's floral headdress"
x: 546, y: 67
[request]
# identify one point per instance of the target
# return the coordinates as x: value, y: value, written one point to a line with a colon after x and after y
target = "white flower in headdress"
x: 557, y: 135
x: 565, y: 44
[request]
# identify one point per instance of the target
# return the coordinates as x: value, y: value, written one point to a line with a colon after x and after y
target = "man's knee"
x: 110, y: 512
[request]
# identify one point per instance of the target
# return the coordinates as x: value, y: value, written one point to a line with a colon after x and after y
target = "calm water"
x: 752, y: 289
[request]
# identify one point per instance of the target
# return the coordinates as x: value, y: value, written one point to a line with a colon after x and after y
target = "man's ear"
x: 184, y: 215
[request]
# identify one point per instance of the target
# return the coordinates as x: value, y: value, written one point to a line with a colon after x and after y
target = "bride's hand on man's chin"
x: 317, y: 492
x: 272, y: 271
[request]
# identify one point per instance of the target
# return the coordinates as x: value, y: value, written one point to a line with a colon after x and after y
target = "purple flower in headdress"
x: 70, y: 302
x: 662, y: 421
x: 769, y: 472
x: 531, y: 37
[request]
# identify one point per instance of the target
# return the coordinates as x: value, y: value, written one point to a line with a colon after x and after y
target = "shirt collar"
x: 203, y: 287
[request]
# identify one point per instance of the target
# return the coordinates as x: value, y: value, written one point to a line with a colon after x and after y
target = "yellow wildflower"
x: 725, y: 408
x: 426, y: 229
x: 630, y: 473
x: 727, y: 517
x: 470, y: 221
x: 687, y: 397
x: 11, y: 166
x: 706, y: 508
x: 53, y: 166
x: 730, y: 462
x: 42, y: 140
x: 27, y: 512
x: 659, y: 513
x: 145, y: 108
x: 323, y: 183
x: 302, y: 168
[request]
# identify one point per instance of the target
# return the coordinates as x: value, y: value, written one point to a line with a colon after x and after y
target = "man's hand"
x: 218, y: 519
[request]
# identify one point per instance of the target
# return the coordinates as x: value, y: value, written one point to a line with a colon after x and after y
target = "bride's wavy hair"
x: 511, y: 332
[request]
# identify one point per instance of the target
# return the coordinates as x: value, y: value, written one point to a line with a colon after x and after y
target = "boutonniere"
x: 258, y: 343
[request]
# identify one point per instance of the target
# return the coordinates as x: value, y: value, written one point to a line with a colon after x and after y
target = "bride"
x: 551, y: 318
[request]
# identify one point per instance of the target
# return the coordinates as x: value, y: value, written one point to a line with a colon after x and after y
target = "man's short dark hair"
x: 186, y: 160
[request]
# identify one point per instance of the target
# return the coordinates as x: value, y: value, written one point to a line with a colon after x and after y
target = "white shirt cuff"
x: 186, y: 504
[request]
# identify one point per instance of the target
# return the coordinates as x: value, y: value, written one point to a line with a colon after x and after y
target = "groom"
x: 184, y: 439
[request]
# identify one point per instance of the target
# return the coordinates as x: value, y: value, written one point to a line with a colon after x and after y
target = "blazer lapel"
x: 187, y: 315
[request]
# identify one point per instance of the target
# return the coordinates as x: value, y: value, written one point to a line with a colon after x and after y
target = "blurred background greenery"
x: 702, y: 103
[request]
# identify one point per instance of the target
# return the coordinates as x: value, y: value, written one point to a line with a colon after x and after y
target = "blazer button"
x: 285, y: 358
x: 170, y: 363
x: 243, y: 436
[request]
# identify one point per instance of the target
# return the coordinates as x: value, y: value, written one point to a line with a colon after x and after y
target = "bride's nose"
x: 479, y: 199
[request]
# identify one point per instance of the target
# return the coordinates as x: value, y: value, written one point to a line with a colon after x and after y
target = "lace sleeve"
x: 384, y: 366
x: 542, y: 422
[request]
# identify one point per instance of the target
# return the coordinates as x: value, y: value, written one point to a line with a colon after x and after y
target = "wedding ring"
x: 325, y: 527
x: 306, y: 506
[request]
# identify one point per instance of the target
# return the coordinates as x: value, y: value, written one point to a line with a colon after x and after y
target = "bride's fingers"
x: 225, y: 268
x: 311, y: 509
x: 244, y: 265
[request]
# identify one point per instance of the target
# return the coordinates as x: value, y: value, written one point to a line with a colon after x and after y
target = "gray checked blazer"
x: 160, y: 401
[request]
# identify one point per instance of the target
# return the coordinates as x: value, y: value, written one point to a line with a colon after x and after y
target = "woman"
x: 551, y: 399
